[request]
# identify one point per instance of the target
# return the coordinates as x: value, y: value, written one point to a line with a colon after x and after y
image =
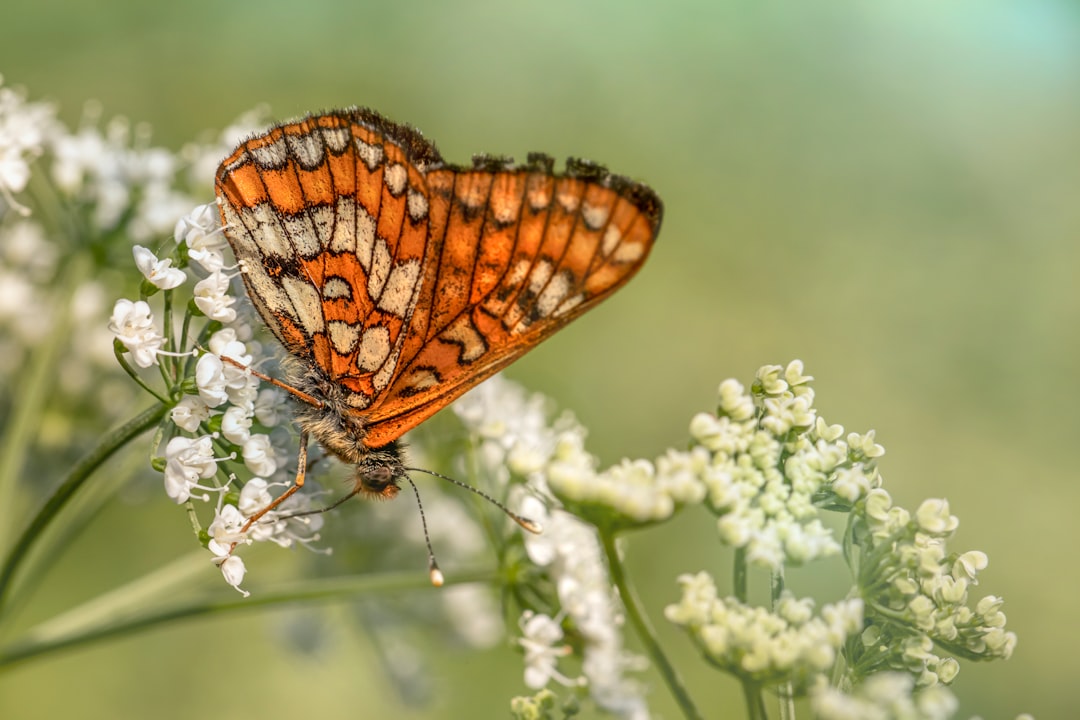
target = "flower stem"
x: 119, y: 353
x: 125, y: 610
x: 740, y: 579
x: 755, y: 706
x: 755, y: 703
x: 70, y: 485
x: 785, y: 693
x: 644, y: 629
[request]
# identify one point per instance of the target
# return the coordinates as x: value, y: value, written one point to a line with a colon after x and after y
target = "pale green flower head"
x: 775, y: 464
x: 788, y: 644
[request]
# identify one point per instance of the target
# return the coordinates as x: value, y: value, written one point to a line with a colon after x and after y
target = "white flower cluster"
x: 884, y: 696
x: 114, y: 185
x: 768, y: 465
x: 121, y: 178
x: 789, y: 643
x: 911, y: 577
x: 764, y: 467
x: 631, y: 493
x: 218, y: 422
x: 118, y: 183
x: 30, y: 258
x: 774, y: 463
x: 24, y: 128
x: 513, y: 433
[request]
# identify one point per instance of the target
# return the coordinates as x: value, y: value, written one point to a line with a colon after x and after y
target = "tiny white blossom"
x: 233, y: 570
x: 201, y: 231
x: 189, y: 413
x: 753, y: 641
x: 14, y: 174
x: 510, y: 424
x: 884, y: 696
x: 269, y: 406
x: 865, y: 444
x: 187, y: 461
x: 259, y: 455
x: 133, y: 325
x: 934, y: 518
x: 159, y: 272
x: 474, y: 614
x: 113, y: 198
x: 734, y: 402
x: 75, y: 156
x: 850, y: 483
x: 236, y: 425
x: 970, y: 563
x: 22, y: 136
x: 224, y: 530
x: 213, y: 299
x: 210, y: 380
x: 239, y: 385
x: 254, y: 496
x: 540, y: 634
x: 158, y: 207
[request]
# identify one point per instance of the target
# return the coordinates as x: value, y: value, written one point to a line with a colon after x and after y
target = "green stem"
x: 740, y: 580
x: 645, y: 630
x: 785, y: 693
x: 118, y: 351
x: 90, y: 623
x: 755, y: 702
x: 755, y: 705
x: 70, y: 485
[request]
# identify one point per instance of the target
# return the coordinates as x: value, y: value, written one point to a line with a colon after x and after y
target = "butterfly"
x: 396, y: 282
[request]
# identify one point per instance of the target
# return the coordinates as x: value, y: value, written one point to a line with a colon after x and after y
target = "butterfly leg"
x: 301, y: 471
x: 273, y: 381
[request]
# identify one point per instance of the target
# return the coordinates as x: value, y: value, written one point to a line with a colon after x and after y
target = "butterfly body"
x: 396, y: 282
x: 340, y: 430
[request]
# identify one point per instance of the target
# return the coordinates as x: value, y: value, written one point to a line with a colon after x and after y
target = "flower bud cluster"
x: 789, y: 643
x: 773, y: 462
x: 919, y: 593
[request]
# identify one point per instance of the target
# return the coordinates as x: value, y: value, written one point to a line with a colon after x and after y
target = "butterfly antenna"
x: 530, y: 525
x: 433, y: 567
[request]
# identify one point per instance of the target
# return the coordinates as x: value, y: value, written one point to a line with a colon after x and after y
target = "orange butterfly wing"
x: 323, y: 216
x: 518, y: 253
x: 405, y: 281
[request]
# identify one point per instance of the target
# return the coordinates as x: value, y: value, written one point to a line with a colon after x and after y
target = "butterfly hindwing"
x: 521, y: 252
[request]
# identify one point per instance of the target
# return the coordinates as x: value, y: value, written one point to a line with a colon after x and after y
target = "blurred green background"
x: 886, y: 190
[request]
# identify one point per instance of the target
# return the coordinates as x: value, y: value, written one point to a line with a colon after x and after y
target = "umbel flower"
x: 784, y: 487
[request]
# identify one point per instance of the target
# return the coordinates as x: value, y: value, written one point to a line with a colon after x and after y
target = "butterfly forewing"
x: 405, y: 281
x: 328, y: 220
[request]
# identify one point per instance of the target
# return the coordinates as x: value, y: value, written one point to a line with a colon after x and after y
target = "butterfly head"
x: 378, y: 473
